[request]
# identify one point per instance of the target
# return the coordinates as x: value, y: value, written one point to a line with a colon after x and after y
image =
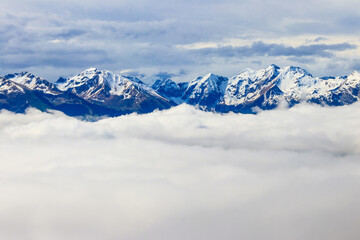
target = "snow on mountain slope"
x: 98, y: 93
x: 16, y: 97
x: 9, y: 87
x: 32, y: 82
x: 351, y: 82
x: 298, y: 85
x: 114, y: 91
x: 92, y: 83
x: 205, y: 91
x: 249, y: 85
x: 266, y: 88
x: 345, y: 91
x: 167, y: 87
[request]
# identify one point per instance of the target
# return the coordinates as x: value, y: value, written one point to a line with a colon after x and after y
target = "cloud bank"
x: 182, y: 174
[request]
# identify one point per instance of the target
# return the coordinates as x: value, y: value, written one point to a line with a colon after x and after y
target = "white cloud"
x: 181, y: 174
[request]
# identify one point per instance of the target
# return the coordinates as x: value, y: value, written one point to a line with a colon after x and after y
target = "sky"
x: 182, y: 174
x: 185, y: 38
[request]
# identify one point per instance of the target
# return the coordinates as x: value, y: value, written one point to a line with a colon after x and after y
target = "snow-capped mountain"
x: 92, y: 92
x: 32, y: 82
x: 108, y: 89
x: 95, y: 85
x: 250, y: 87
x: 8, y: 87
x: 17, y: 98
x: 344, y: 90
x: 20, y: 91
x: 205, y: 92
x: 266, y: 88
x: 166, y: 87
x: 96, y: 93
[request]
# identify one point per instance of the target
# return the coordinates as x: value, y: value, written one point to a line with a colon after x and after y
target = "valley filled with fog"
x: 181, y: 174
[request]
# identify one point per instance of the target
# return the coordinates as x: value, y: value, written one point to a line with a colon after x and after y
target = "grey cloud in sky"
x: 116, y: 35
x: 302, y: 60
x: 264, y: 49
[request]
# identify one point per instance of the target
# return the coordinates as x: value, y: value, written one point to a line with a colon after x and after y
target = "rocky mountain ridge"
x: 95, y: 92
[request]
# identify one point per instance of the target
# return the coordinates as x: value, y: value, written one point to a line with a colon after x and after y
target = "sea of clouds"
x: 182, y: 174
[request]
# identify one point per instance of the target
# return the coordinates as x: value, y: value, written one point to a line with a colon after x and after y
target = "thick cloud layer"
x: 182, y: 174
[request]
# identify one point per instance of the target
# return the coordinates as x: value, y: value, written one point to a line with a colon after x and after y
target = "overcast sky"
x: 186, y: 38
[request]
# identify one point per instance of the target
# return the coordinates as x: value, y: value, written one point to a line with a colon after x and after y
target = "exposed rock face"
x: 98, y: 93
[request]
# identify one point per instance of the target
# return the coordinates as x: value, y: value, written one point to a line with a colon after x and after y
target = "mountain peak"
x: 295, y: 70
x: 210, y: 75
x: 19, y: 75
x: 89, y: 71
x: 92, y: 69
x: 355, y: 74
x: 273, y: 66
x: 106, y: 92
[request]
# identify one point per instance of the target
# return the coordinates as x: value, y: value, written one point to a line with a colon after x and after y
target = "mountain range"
x: 95, y: 92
